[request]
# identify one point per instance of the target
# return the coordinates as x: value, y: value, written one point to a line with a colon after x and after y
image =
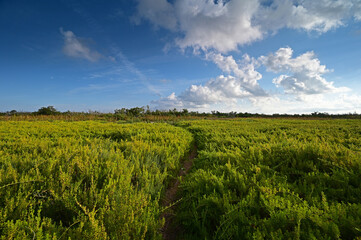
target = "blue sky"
x: 282, y: 56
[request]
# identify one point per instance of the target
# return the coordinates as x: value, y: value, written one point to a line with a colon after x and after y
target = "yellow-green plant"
x: 86, y: 180
x: 274, y: 179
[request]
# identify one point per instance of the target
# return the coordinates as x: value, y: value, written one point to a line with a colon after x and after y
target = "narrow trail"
x: 169, y: 230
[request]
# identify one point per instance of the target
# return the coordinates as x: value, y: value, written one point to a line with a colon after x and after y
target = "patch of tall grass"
x: 273, y: 179
x: 86, y: 180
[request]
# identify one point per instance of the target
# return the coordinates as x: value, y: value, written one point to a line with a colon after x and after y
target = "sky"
x: 258, y: 56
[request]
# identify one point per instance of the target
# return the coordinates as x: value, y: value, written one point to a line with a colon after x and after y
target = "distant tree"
x: 120, y: 111
x: 232, y: 114
x: 135, y: 112
x: 157, y: 112
x: 49, y: 110
x: 13, y: 112
x: 148, y: 111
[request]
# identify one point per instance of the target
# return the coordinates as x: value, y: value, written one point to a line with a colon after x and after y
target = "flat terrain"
x: 201, y: 179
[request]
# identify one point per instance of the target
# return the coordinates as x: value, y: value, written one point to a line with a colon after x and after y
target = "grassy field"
x: 273, y: 179
x: 86, y: 180
x: 252, y: 179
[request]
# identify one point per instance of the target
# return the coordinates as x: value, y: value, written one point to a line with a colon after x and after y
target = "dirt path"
x: 169, y: 230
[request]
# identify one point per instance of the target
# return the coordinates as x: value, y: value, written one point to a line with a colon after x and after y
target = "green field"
x: 86, y: 180
x: 252, y: 179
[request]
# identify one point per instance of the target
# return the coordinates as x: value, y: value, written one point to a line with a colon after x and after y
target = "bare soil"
x: 170, y: 231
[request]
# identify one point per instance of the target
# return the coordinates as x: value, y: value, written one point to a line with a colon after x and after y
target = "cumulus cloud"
x: 168, y: 102
x: 240, y: 83
x: 223, y: 89
x: 302, y: 79
x: 204, y: 24
x: 243, y: 70
x: 215, y: 90
x: 73, y: 47
x: 304, y: 73
x: 216, y: 25
x: 214, y: 28
x: 223, y: 25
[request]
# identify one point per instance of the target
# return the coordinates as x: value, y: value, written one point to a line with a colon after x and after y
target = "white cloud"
x: 304, y: 74
x: 204, y: 24
x: 73, y: 47
x: 159, y: 12
x: 169, y: 102
x: 207, y: 25
x: 310, y: 15
x: 327, y: 102
x: 243, y: 70
x: 219, y: 90
x: 224, y: 25
x: 241, y: 83
x: 356, y: 10
x: 217, y: 27
x: 303, y: 79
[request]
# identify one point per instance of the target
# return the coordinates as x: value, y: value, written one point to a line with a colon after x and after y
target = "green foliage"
x: 133, y: 112
x: 50, y: 110
x: 273, y: 179
x: 252, y: 179
x: 86, y: 180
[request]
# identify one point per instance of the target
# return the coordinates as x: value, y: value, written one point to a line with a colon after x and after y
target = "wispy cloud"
x: 160, y: 13
x: 319, y: 16
x: 96, y: 88
x: 74, y: 47
x: 120, y: 63
x: 130, y: 66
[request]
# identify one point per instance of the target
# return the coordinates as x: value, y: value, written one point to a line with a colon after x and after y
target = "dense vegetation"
x: 253, y: 178
x: 146, y: 114
x: 86, y: 180
x: 273, y: 179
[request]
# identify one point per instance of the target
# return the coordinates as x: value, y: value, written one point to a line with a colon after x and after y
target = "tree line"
x: 136, y: 112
